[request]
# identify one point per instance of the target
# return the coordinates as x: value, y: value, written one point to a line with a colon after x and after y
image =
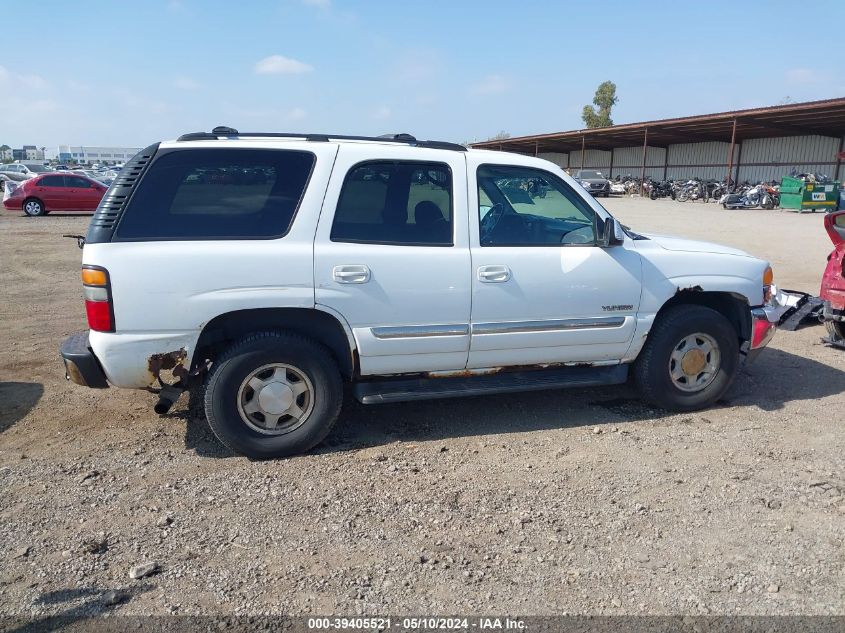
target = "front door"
x: 82, y: 196
x: 544, y: 291
x: 392, y: 257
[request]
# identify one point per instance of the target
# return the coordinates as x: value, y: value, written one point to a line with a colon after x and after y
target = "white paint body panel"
x: 409, y: 285
x: 550, y: 283
x: 165, y: 287
x: 165, y: 292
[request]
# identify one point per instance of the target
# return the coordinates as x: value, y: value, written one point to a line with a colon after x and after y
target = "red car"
x: 833, y: 281
x: 56, y: 192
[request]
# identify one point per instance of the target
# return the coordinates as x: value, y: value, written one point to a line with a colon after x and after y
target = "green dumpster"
x: 798, y: 195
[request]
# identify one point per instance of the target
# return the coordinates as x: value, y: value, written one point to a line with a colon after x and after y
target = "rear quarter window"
x: 196, y: 194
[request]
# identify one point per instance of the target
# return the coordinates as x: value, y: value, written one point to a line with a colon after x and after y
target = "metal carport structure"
x: 821, y: 124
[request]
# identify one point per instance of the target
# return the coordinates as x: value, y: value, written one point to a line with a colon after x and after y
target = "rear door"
x: 52, y: 192
x: 392, y: 257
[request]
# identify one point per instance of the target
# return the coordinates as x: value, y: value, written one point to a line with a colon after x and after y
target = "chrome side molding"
x: 551, y: 325
x: 513, y: 327
x: 420, y: 331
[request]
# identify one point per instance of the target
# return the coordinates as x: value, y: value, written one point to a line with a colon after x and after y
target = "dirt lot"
x: 544, y: 503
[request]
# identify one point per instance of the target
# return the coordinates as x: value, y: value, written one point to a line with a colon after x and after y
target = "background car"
x: 56, y: 192
x: 593, y: 181
x: 22, y: 171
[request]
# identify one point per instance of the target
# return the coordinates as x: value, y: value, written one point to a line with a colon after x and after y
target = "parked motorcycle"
x: 761, y: 195
x: 660, y: 190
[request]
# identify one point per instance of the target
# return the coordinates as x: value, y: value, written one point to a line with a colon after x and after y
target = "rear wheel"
x: 34, y: 207
x: 273, y: 394
x: 689, y: 360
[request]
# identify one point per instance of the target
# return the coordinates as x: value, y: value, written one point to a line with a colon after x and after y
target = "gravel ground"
x: 553, y: 502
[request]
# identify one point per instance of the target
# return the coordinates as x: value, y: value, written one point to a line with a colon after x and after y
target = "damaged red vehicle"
x: 833, y: 281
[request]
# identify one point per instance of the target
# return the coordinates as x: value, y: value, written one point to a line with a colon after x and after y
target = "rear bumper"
x: 81, y: 366
x: 764, y: 324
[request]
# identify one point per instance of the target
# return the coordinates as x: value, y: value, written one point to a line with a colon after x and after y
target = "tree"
x: 605, y: 99
x: 501, y: 136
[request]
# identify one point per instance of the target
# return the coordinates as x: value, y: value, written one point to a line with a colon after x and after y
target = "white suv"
x: 269, y: 269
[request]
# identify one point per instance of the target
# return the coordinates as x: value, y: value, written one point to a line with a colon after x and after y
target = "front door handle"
x: 351, y: 274
x: 494, y: 274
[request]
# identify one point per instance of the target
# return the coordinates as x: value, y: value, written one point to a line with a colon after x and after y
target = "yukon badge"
x: 618, y: 308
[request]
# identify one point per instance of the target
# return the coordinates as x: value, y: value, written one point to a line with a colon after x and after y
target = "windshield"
x: 589, y: 174
x: 38, y: 169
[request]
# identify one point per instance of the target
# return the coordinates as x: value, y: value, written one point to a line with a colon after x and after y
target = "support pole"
x: 731, y: 155
x: 645, y: 153
x: 665, y: 162
x: 536, y: 148
x: 583, y: 145
x: 838, y: 158
x: 610, y: 171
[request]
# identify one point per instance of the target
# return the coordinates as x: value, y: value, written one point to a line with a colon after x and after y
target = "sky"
x: 121, y: 73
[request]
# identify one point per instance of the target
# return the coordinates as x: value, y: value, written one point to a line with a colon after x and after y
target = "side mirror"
x: 611, y: 233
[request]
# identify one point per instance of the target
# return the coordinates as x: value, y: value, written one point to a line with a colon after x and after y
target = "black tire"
x: 227, y: 376
x: 835, y: 331
x: 651, y: 369
x: 33, y: 207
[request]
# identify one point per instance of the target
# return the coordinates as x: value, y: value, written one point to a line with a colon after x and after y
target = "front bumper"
x: 81, y: 366
x: 764, y: 324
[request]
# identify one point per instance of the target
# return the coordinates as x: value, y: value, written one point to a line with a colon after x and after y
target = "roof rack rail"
x: 407, y: 139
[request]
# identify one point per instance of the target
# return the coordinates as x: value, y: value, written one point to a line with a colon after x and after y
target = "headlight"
x: 585, y: 184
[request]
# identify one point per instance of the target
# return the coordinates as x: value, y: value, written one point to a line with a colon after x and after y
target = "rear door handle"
x: 351, y: 274
x: 494, y: 274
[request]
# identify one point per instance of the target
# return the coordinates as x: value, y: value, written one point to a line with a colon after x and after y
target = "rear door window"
x: 196, y: 194
x: 395, y: 202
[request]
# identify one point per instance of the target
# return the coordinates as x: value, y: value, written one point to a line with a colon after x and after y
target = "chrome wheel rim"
x: 275, y: 399
x: 694, y: 362
x: 32, y: 207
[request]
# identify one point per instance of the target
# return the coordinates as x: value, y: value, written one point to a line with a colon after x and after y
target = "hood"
x: 593, y: 181
x: 693, y: 246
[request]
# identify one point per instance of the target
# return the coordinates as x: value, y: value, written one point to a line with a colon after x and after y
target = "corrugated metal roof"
x: 824, y: 118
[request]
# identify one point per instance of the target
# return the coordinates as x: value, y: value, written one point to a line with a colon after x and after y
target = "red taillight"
x: 98, y: 302
x: 99, y: 315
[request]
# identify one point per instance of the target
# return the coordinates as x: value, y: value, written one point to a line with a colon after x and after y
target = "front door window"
x: 522, y: 206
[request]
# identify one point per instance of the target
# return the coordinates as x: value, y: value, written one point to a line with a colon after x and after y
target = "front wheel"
x: 689, y: 360
x: 34, y: 207
x: 273, y: 394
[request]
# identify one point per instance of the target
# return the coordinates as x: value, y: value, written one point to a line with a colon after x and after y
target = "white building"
x: 87, y: 155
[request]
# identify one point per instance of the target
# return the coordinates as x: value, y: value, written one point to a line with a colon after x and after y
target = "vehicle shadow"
x: 198, y: 435
x: 16, y: 400
x: 95, y: 602
x: 774, y: 379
